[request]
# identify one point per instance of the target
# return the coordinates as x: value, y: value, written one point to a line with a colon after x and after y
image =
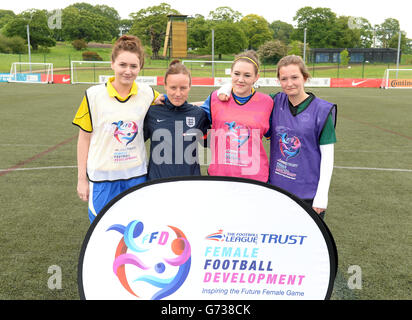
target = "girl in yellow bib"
x: 111, y: 154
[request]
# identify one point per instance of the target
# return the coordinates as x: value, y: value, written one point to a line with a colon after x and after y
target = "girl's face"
x: 177, y: 88
x: 126, y: 67
x: 292, y: 80
x: 243, y: 78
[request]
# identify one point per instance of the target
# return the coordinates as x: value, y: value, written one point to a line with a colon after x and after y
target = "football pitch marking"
x: 378, y: 127
x: 375, y: 169
x: 40, y: 168
x: 39, y: 155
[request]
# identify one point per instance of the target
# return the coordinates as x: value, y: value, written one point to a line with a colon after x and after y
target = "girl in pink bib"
x: 239, y: 124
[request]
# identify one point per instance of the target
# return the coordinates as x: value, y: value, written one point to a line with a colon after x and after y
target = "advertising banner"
x: 27, y: 77
x: 207, y: 238
x: 61, y: 78
x: 149, y: 80
x: 355, y: 83
x: 400, y: 83
x: 4, y: 77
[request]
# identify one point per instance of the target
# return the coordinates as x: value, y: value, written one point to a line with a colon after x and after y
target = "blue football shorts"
x: 101, y: 193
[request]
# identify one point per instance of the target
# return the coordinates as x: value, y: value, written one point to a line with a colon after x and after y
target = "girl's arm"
x: 320, y: 202
x: 83, y: 144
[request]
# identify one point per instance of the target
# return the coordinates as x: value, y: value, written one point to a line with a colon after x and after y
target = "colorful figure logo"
x: 125, y: 131
x: 240, y: 134
x: 289, y: 147
x: 179, y: 246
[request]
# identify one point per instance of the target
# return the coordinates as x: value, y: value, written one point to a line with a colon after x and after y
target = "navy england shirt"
x: 175, y: 134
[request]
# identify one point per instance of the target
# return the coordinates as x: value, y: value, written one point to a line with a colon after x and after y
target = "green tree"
x: 125, y: 25
x: 225, y: 14
x: 150, y: 25
x: 229, y: 39
x: 272, y: 51
x: 344, y: 57
x: 281, y: 31
x: 84, y: 21
x: 386, y: 31
x: 112, y: 18
x: 393, y: 42
x: 297, y: 47
x: 344, y: 36
x: 14, y: 44
x: 320, y: 24
x: 198, y: 29
x: 408, y: 49
x: 365, y: 30
x: 40, y: 34
x: 5, y: 17
x: 256, y: 29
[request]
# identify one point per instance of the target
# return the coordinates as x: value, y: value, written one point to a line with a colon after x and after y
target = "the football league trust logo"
x: 158, y: 259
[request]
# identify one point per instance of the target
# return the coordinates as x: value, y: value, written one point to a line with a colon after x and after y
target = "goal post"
x: 90, y: 72
x: 397, y: 79
x: 31, y: 72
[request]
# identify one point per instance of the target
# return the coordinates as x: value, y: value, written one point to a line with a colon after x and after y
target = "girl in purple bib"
x: 302, y: 137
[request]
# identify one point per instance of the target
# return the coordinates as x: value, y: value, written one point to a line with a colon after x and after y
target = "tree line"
x: 233, y: 31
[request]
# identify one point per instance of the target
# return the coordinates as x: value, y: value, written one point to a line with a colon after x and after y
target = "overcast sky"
x: 375, y: 11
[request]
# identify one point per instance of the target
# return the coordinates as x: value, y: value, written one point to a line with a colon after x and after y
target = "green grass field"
x: 44, y: 223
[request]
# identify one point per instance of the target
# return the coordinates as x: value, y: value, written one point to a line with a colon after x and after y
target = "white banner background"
x: 201, y: 207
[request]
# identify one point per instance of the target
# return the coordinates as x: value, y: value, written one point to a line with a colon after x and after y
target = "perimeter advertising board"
x: 207, y: 238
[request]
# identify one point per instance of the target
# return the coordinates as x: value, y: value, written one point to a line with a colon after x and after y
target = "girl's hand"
x: 318, y: 210
x: 160, y: 99
x: 223, y: 97
x: 83, y: 189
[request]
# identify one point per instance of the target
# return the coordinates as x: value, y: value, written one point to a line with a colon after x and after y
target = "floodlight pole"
x: 398, y: 56
x: 304, y: 46
x: 28, y: 45
x: 213, y: 53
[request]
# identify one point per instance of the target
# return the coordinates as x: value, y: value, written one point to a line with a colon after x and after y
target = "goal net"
x: 200, y: 68
x: 91, y: 72
x: 397, y: 79
x: 26, y: 72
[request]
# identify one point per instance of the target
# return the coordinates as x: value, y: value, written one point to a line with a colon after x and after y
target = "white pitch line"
x: 371, y: 151
x: 24, y: 145
x: 376, y: 169
x: 39, y: 168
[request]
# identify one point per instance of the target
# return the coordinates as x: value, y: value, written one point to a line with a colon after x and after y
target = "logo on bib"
x: 125, y: 132
x: 289, y: 147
